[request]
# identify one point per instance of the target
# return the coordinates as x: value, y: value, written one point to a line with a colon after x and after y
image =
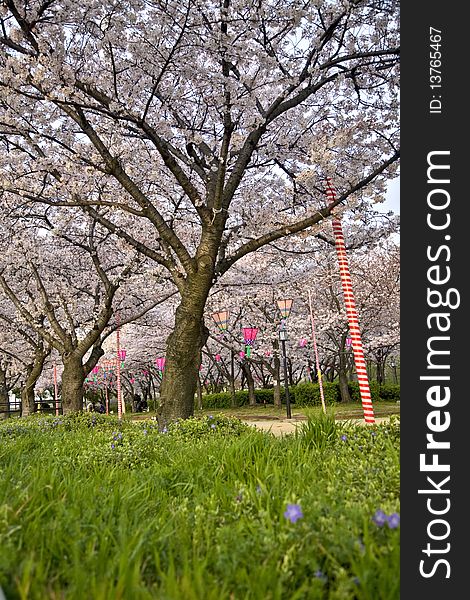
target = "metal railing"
x: 13, y: 408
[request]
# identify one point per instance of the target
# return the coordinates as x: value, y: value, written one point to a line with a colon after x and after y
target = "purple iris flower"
x: 393, y: 520
x: 293, y: 512
x: 380, y: 518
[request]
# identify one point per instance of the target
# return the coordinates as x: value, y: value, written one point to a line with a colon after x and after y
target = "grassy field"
x: 340, y: 411
x: 93, y: 508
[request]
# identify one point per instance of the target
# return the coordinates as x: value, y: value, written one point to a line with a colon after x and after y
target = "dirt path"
x: 284, y: 426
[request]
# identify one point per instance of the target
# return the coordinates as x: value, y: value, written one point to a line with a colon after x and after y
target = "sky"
x: 392, y: 200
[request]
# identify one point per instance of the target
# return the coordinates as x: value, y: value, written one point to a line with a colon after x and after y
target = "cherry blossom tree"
x: 10, y: 375
x: 197, y: 133
x: 64, y: 292
x: 26, y: 350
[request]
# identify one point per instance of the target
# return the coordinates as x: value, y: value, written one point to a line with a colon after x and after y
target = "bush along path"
x: 210, y: 508
x: 303, y: 394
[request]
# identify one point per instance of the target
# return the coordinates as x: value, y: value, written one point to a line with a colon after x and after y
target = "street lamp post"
x: 283, y: 338
x: 285, y: 307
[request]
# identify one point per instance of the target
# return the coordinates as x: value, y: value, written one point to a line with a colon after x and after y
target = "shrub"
x: 224, y: 399
x: 266, y: 396
x: 220, y: 400
x: 356, y: 394
x: 303, y: 394
x: 308, y: 394
x: 390, y: 392
x: 378, y: 392
x: 195, y: 427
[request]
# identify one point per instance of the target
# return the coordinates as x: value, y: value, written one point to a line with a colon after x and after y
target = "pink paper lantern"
x: 302, y: 343
x: 249, y: 335
x: 160, y: 362
x: 218, y: 358
x: 242, y: 354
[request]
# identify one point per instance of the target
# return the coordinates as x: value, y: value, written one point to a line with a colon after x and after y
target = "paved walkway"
x: 284, y: 426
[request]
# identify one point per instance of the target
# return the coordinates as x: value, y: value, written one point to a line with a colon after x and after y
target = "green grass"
x: 94, y: 508
x: 341, y: 411
x: 352, y: 410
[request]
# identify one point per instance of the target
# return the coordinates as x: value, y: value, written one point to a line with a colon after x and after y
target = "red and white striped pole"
x: 118, y: 369
x: 351, y: 312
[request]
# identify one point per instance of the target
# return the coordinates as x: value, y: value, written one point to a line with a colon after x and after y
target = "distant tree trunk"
x: 330, y: 373
x: 250, y: 383
x: 343, y: 379
x: 73, y: 377
x: 4, y: 404
x: 34, y: 371
x: 380, y: 358
x: 233, y: 401
x: 344, y: 387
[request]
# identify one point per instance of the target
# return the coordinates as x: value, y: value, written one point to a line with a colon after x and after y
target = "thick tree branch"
x: 293, y: 228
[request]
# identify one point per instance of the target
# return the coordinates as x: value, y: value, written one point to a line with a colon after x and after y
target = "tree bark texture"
x: 233, y: 398
x: 33, y: 373
x: 343, y: 379
x: 183, y: 352
x: 73, y: 377
x: 250, y: 383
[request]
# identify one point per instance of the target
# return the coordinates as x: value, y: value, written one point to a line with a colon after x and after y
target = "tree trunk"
x: 250, y: 383
x: 233, y: 399
x: 27, y: 397
x: 381, y: 369
x: 73, y: 378
x: 343, y: 387
x: 183, y: 353
x: 33, y: 373
x: 343, y: 379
